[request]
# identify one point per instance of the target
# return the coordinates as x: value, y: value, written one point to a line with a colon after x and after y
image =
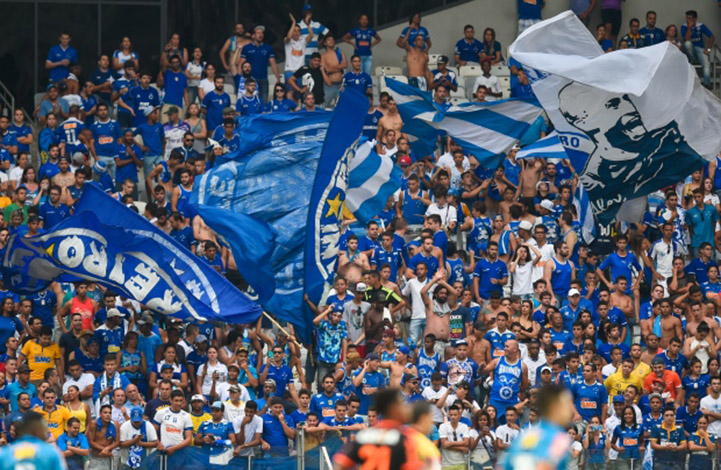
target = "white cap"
x: 114, y: 312
x: 573, y: 292
x: 525, y: 225
x: 547, y: 204
x: 360, y: 287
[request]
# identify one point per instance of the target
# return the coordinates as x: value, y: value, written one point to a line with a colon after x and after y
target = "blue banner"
x: 277, y: 202
x: 107, y: 243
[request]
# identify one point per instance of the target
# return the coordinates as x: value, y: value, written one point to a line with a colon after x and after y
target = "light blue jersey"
x: 30, y: 453
x: 545, y: 443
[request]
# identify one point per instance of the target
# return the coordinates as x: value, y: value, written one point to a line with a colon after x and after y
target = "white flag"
x: 632, y: 121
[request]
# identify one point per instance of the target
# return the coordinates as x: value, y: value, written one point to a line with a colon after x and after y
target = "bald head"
x: 511, y: 348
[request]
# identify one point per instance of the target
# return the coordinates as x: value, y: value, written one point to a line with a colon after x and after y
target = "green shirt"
x: 12, y: 208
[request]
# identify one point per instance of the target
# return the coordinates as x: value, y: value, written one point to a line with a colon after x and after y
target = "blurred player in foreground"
x: 30, y: 451
x: 546, y: 446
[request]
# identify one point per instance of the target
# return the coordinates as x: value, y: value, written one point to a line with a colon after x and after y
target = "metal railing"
x: 7, y: 100
x: 325, y: 462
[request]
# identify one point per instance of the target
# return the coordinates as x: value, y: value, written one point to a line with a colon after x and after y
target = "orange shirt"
x: 670, y: 379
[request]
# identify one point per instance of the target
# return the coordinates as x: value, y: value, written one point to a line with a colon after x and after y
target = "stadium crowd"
x: 473, y: 288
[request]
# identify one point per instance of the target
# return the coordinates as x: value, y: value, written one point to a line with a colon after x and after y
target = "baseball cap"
x: 217, y: 405
x: 136, y: 415
x: 516, y: 147
x: 404, y: 350
x: 408, y: 378
x: 201, y: 339
x: 146, y: 319
x: 197, y: 397
x: 547, y: 204
x: 267, y: 382
x: 114, y: 312
x: 618, y: 399
x: 460, y: 342
x: 149, y: 110
x: 405, y: 160
x: 657, y: 360
x: 234, y: 366
x: 372, y: 357
x: 655, y: 395
x: 79, y: 158
x: 573, y: 292
x: 100, y: 167
x: 23, y: 368
x: 389, y: 332
x: 525, y: 225
x: 51, y: 86
x: 307, y: 7
x: 545, y: 369
x: 361, y: 287
x: 228, y: 110
x: 259, y: 27
x: 443, y: 59
x: 166, y: 366
x: 172, y: 110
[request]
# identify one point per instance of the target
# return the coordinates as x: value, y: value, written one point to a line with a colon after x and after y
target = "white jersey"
x: 173, y: 426
x: 713, y: 405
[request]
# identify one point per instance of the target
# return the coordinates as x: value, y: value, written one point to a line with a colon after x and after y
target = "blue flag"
x: 487, y: 131
x: 288, y: 183
x: 107, y: 243
x: 371, y: 181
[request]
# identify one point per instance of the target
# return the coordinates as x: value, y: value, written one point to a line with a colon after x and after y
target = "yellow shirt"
x: 197, y: 421
x: 641, y: 371
x: 40, y: 359
x: 56, y: 419
x: 616, y: 384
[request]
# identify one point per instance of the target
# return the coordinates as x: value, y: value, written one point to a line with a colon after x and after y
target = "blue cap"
x: 100, y: 167
x: 404, y: 349
x: 166, y: 366
x: 373, y: 357
x: 619, y: 399
x: 217, y: 405
x: 454, y: 192
x: 136, y: 415
x: 307, y: 7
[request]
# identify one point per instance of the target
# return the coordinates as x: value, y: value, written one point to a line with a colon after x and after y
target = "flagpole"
x: 283, y: 330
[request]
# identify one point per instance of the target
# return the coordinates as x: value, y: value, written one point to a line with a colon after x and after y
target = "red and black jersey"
x: 387, y: 446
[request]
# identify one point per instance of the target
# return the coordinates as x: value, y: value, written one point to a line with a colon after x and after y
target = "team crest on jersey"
x: 530, y: 439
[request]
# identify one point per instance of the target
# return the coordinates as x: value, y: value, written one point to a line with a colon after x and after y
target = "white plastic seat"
x: 470, y: 71
x: 388, y: 70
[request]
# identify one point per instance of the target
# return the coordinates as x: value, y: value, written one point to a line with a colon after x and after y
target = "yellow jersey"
x: 616, y: 384
x: 56, y: 419
x: 40, y: 358
x: 641, y: 371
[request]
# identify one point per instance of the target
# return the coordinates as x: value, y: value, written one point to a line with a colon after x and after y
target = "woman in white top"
x: 207, y: 84
x: 295, y: 48
x: 482, y: 439
x: 180, y: 373
x: 124, y: 54
x: 194, y: 72
x: 212, y: 370
x: 521, y: 269
x: 709, y: 197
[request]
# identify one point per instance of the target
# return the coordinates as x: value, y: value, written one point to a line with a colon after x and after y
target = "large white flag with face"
x: 632, y: 121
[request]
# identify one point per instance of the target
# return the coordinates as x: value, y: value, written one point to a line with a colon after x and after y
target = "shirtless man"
x: 202, y: 233
x: 417, y: 59
x: 619, y: 298
x: 504, y: 207
x: 391, y: 120
x: 438, y: 309
x: 530, y: 176
x: 400, y: 366
x: 652, y: 349
x: 479, y: 349
x: 65, y: 178
x: 334, y: 62
x: 670, y: 325
x: 352, y: 255
x: 100, y: 444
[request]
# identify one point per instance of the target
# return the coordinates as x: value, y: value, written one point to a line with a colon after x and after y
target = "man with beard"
x: 438, y: 310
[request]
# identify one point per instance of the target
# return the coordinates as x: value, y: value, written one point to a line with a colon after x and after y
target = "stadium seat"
x: 459, y: 93
x: 456, y: 101
x: 469, y: 84
x: 433, y: 60
x: 501, y: 70
x: 229, y: 88
x: 382, y: 80
x: 505, y: 86
x: 470, y: 71
x: 388, y: 70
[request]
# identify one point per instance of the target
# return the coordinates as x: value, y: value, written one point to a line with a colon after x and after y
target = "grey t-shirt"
x: 354, y: 315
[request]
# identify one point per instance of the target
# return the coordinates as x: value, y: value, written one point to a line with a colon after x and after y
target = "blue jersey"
x: 709, y: 289
x: 259, y: 58
x: 44, y: 302
x: 57, y: 54
x: 699, y: 269
x: 280, y: 106
x: 480, y: 235
x: 698, y: 31
x: 394, y: 258
x: 559, y: 338
x: 468, y: 52
x: 249, y: 105
x: 221, y: 431
x: 698, y: 385
x: 605, y: 350
x: 370, y: 128
x: 324, y: 405
x: 184, y: 236
x: 440, y: 239
x: 552, y: 229
x: 630, y: 438
x: 677, y: 364
x: 506, y: 384
x: 589, y: 399
x: 652, y: 36
x: 153, y: 136
x: 106, y: 135
x: 530, y: 9
x: 214, y: 103
x: 498, y: 340
x: 30, y: 453
x: 175, y: 85
x: 457, y: 271
x: 141, y: 98
x: 371, y: 383
x: 621, y: 266
x: 70, y: 131
x: 426, y: 366
x: 363, y: 40
x: 561, y: 278
x: 51, y: 215
x: 431, y: 262
x: 485, y: 271
x: 544, y: 442
x: 360, y: 81
x: 22, y: 130
x: 413, y: 209
x: 118, y: 86
x: 129, y: 171
x: 687, y: 419
x: 282, y: 375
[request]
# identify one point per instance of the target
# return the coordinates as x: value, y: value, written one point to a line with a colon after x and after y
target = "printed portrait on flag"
x: 628, y: 158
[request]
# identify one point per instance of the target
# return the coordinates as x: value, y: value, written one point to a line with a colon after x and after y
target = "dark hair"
x: 177, y: 393
x: 387, y: 398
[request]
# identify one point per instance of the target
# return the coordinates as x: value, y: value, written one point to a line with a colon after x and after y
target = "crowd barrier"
x: 205, y: 458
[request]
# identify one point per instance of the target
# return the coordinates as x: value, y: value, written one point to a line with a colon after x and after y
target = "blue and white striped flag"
x: 371, y: 181
x: 548, y: 147
x: 585, y: 215
x: 485, y: 130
